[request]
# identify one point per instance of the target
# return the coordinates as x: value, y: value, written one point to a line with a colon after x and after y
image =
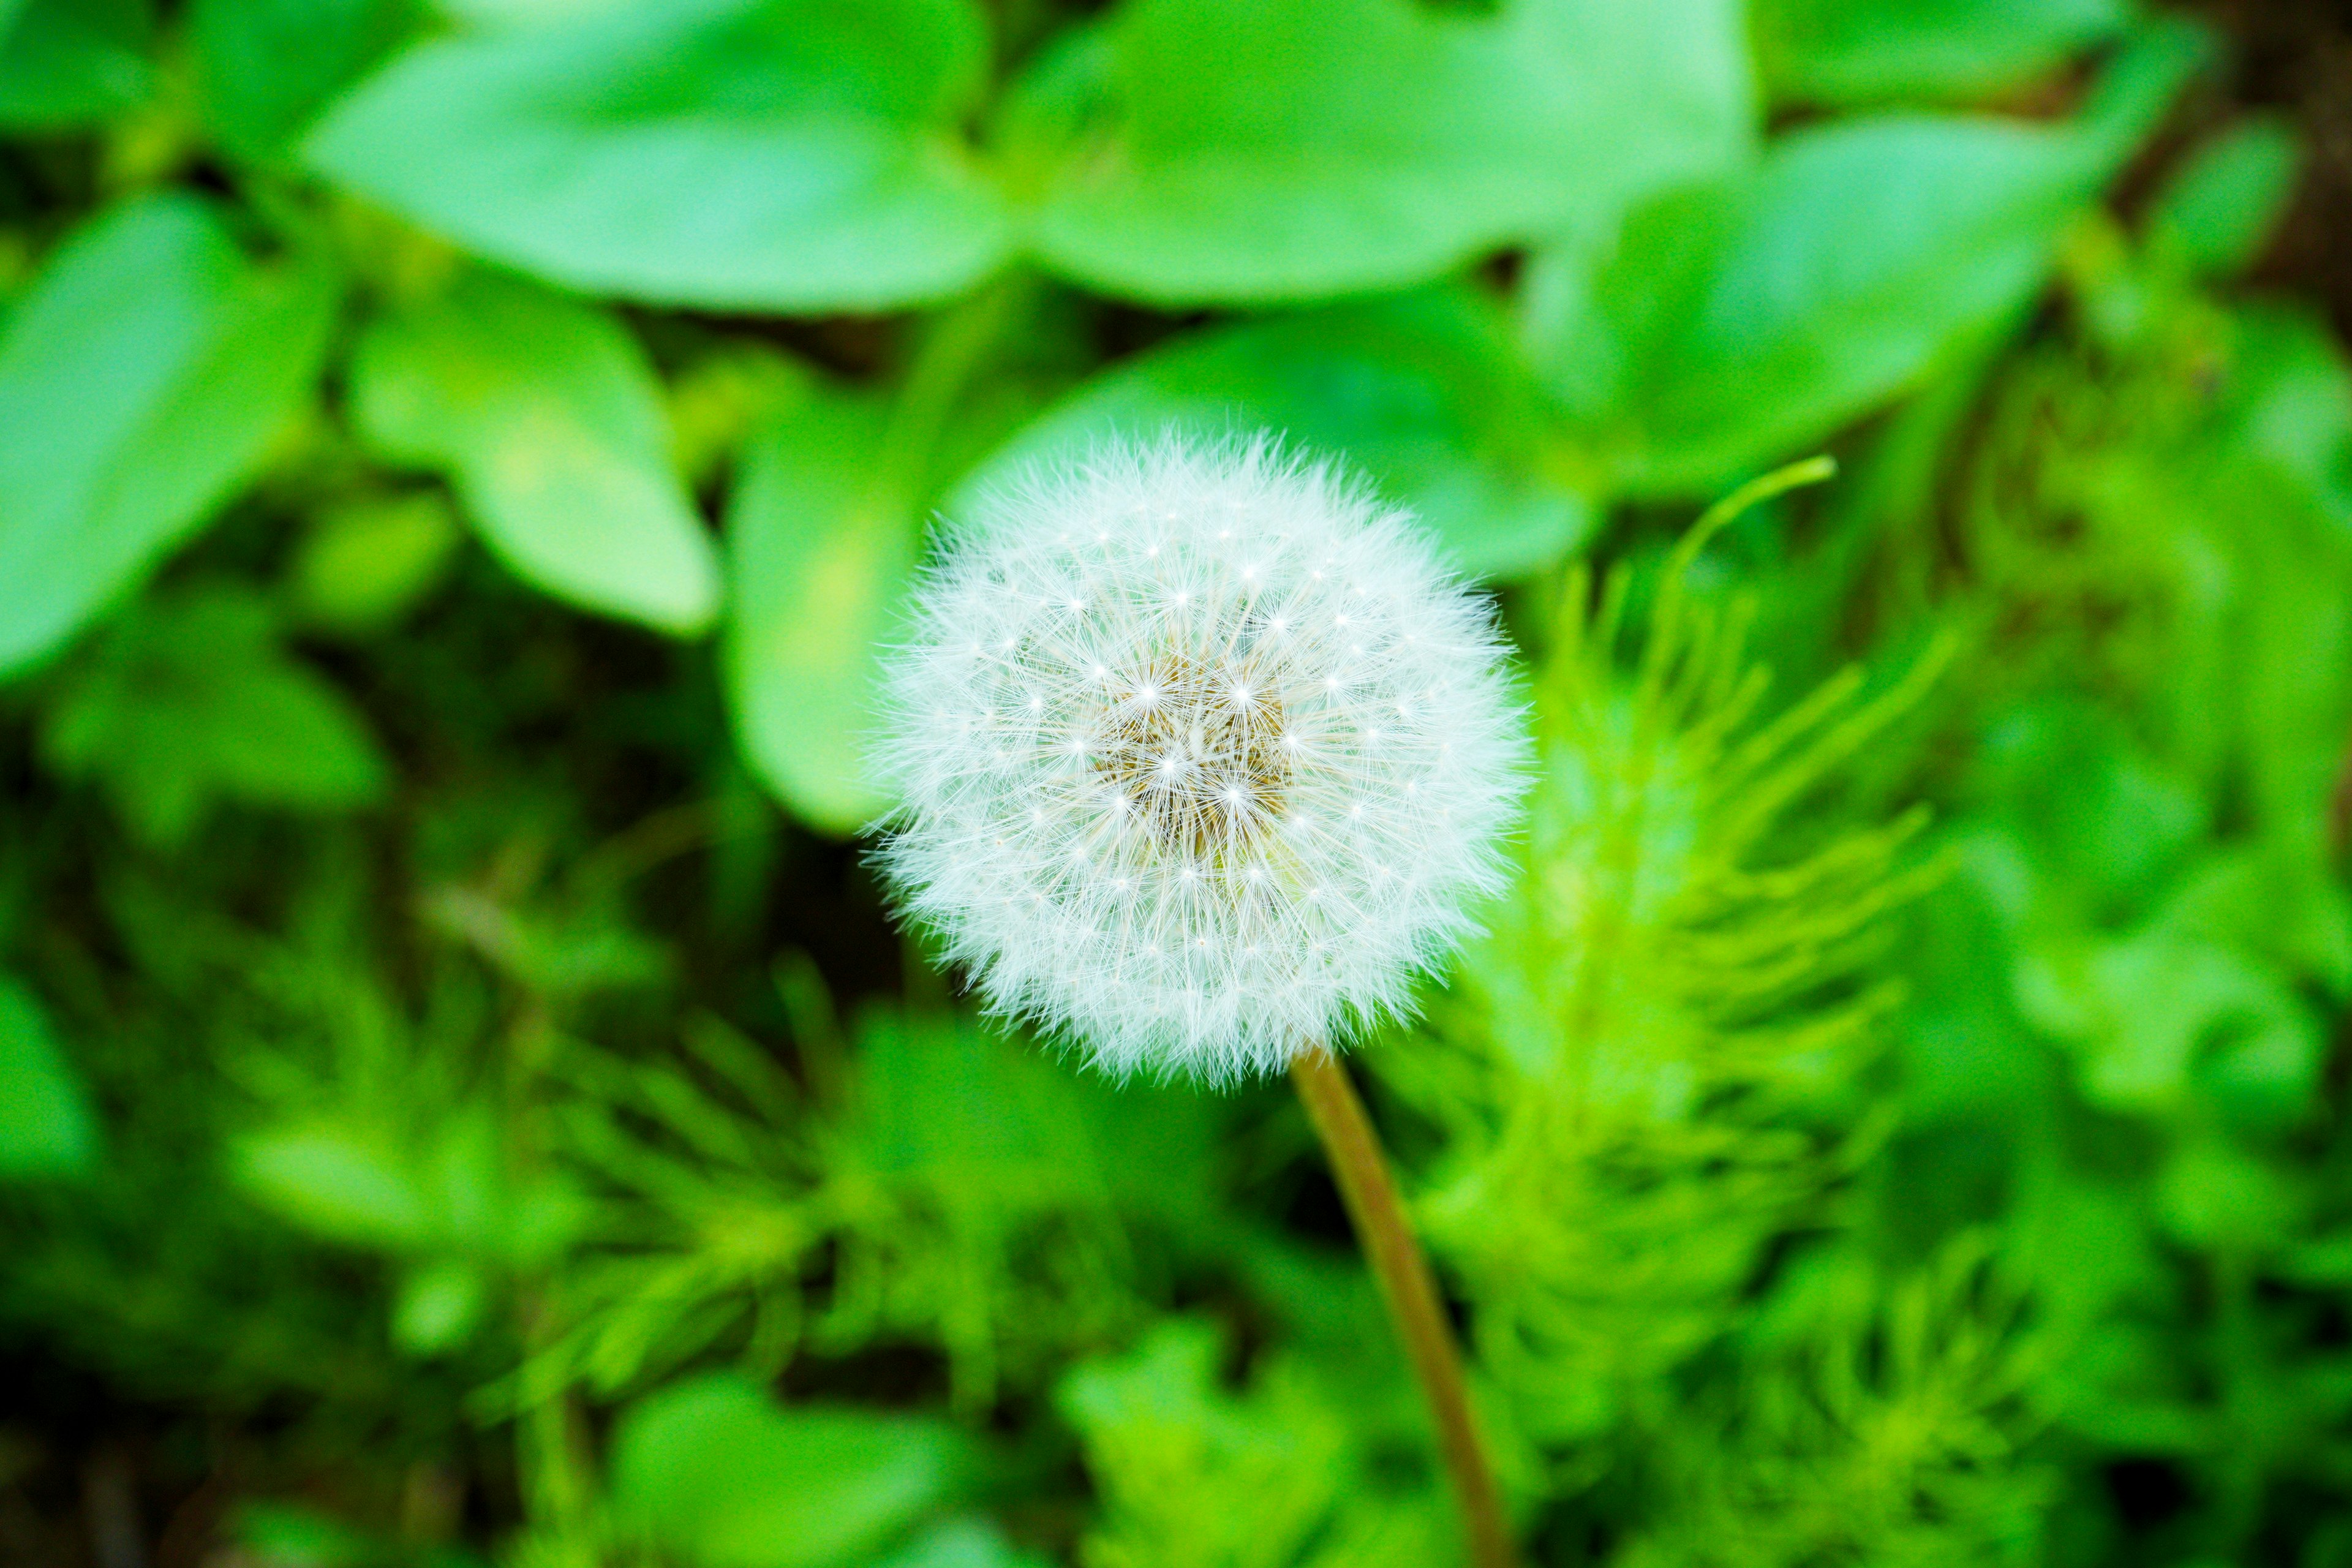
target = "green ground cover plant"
x: 464, y: 1102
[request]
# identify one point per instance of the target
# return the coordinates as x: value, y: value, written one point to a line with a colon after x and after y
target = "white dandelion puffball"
x: 1201, y: 753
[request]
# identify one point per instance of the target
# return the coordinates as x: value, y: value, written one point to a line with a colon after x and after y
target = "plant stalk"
x: 1361, y: 1171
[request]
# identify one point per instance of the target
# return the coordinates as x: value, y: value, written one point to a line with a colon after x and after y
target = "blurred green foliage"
x: 460, y: 1102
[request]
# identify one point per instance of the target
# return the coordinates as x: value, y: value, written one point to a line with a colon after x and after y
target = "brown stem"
x: 1361, y: 1171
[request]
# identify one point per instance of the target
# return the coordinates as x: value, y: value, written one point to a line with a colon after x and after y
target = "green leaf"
x: 1424, y: 392
x: 45, y: 1127
x: 713, y: 1470
x: 268, y: 67
x: 791, y: 155
x: 820, y: 546
x: 143, y: 378
x: 1199, y: 150
x: 548, y: 418
x: 1852, y: 51
x: 960, y: 1542
x: 69, y: 63
x: 364, y: 565
x: 438, y: 1307
x: 2223, y: 203
x: 191, y: 700
x: 336, y: 1184
x: 1734, y: 324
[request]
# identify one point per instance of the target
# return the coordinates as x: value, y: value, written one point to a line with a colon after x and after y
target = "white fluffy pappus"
x: 1203, y: 755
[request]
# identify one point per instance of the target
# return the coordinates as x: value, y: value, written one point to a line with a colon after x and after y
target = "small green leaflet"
x: 46, y: 1128
x: 715, y: 1472
x: 192, y: 700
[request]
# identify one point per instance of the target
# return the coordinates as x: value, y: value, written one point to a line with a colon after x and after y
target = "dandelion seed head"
x: 1182, y: 842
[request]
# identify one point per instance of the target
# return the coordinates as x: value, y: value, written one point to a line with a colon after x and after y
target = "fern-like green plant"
x: 1622, y: 1077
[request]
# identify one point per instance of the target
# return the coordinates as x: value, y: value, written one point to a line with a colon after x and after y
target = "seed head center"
x: 1195, y: 753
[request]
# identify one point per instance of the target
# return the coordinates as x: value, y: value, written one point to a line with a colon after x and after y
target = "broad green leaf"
x: 67, y: 63
x: 785, y: 155
x: 717, y: 1473
x: 491, y: 13
x: 1199, y: 150
x: 1424, y: 393
x: 548, y: 418
x: 2221, y: 207
x: 266, y: 68
x: 191, y: 701
x: 1736, y: 323
x: 46, y: 1128
x: 822, y: 542
x: 1851, y: 51
x: 143, y: 377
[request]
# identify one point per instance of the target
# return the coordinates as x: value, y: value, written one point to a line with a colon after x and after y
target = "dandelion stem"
x: 1362, y: 1169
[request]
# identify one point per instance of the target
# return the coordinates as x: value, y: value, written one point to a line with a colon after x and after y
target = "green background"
x: 461, y: 1100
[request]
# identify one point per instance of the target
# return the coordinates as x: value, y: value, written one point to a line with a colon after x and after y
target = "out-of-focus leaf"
x: 2294, y: 407
x: 493, y: 13
x: 1424, y: 392
x: 67, y: 63
x: 2213, y: 1195
x: 440, y: 1196
x: 438, y: 1307
x: 778, y: 154
x: 1282, y: 1458
x: 46, y: 1128
x: 268, y: 67
x: 991, y: 1125
x: 192, y: 700
x: 987, y: 1120
x: 1735, y: 323
x: 340, y: 1186
x: 714, y: 1471
x: 1851, y: 51
x: 960, y: 1542
x: 821, y: 543
x: 141, y: 378
x: 364, y: 565
x: 2136, y: 86
x: 2221, y: 207
x: 2102, y: 827
x: 547, y: 416
x: 2153, y: 1012
x: 1196, y: 150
